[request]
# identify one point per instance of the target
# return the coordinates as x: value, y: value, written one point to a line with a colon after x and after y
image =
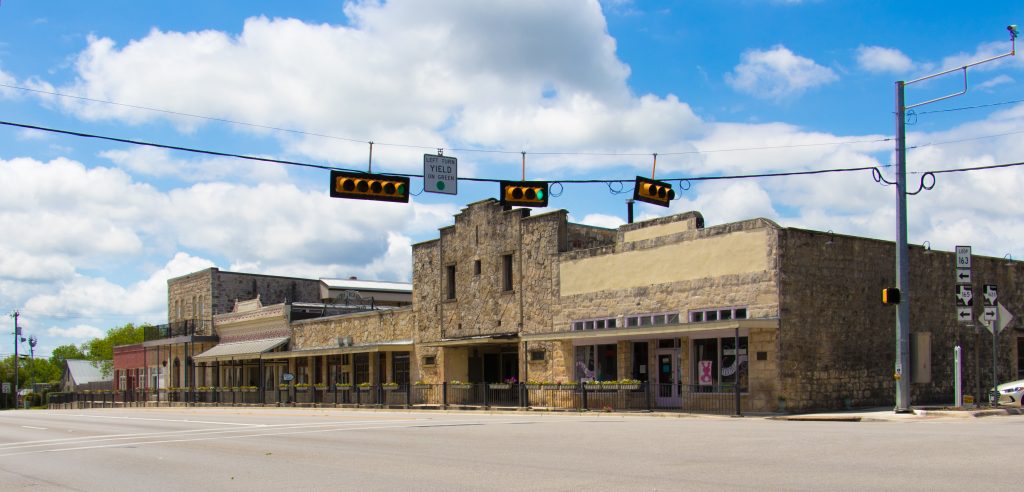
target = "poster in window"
x: 704, y: 373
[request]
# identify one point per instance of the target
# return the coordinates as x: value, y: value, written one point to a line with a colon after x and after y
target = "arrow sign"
x: 963, y: 314
x: 990, y: 293
x: 963, y: 275
x: 965, y: 295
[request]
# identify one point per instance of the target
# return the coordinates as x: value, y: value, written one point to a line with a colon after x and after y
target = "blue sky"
x: 93, y: 229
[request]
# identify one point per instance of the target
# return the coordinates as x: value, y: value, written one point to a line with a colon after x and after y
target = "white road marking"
x: 31, y: 427
x: 242, y: 436
x: 121, y: 437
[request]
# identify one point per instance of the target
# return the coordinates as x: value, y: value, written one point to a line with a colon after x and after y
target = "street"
x: 318, y: 449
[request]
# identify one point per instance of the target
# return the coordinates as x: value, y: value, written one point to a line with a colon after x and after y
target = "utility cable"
x: 492, y: 180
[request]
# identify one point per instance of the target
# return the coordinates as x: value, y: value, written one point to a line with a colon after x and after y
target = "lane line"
x: 224, y: 438
x: 31, y: 427
x: 120, y: 437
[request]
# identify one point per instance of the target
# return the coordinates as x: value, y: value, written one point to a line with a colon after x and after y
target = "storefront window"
x: 596, y: 362
x: 717, y: 362
x: 400, y: 367
x: 361, y: 368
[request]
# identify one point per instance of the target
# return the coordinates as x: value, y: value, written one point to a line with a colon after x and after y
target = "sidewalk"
x: 887, y: 414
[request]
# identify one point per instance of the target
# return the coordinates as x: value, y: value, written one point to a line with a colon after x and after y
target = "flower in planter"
x: 390, y: 385
x: 282, y: 386
x: 320, y: 386
x: 364, y: 385
x: 343, y: 386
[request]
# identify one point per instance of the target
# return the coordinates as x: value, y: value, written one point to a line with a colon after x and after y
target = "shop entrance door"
x: 666, y: 390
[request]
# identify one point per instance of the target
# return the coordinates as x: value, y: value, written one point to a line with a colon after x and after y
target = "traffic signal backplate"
x: 366, y: 186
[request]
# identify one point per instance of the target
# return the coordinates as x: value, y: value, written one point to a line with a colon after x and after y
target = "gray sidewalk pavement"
x: 887, y: 414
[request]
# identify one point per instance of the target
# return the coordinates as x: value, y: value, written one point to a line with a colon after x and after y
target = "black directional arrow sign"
x: 963, y: 275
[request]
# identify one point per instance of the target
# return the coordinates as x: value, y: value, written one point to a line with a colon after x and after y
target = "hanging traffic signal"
x: 890, y: 295
x: 365, y: 186
x: 524, y: 193
x: 652, y: 191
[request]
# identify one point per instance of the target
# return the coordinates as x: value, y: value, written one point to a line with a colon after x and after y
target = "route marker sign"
x: 964, y: 292
x: 963, y: 257
x: 440, y: 174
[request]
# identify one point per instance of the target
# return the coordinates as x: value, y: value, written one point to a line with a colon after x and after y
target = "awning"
x: 395, y: 346
x: 250, y: 349
x: 658, y: 331
x: 499, y: 338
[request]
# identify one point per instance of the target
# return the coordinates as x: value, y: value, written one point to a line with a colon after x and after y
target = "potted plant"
x: 421, y: 384
x: 342, y: 386
x: 456, y: 384
x: 282, y: 387
x: 301, y: 386
x: 364, y: 386
x: 390, y: 386
x: 320, y: 386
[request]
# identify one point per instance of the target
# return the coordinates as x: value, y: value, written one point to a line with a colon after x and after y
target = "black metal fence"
x: 579, y: 397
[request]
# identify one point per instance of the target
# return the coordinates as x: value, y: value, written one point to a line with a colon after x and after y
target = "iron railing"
x: 201, y: 327
x: 572, y: 396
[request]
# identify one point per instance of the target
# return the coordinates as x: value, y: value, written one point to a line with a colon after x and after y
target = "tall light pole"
x: 17, y: 335
x: 902, y: 261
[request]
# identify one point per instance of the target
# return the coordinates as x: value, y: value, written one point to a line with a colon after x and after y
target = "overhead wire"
x: 608, y: 182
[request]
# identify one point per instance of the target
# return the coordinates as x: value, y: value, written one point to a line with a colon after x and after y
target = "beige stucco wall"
x: 717, y: 256
x: 655, y: 231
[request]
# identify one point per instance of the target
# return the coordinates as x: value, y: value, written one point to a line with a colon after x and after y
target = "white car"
x: 1011, y: 393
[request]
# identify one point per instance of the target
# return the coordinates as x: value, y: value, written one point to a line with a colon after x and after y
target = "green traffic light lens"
x: 540, y: 194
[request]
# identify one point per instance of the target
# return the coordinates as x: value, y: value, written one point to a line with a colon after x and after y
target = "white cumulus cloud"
x: 778, y: 74
x: 879, y: 59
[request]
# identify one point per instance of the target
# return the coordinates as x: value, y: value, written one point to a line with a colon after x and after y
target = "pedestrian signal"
x: 890, y: 295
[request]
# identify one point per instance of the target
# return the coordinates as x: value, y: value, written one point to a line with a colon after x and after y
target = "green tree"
x: 101, y: 350
x: 65, y: 352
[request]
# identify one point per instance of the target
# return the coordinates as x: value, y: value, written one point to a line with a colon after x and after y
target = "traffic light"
x: 524, y: 193
x: 652, y: 191
x: 890, y: 295
x: 366, y: 186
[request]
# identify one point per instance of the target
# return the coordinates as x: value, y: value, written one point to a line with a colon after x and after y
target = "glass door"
x: 667, y: 392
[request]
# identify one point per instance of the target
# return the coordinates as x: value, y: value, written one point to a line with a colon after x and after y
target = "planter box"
x: 499, y: 386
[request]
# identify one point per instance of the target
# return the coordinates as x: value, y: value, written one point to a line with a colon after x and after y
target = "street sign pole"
x: 957, y: 378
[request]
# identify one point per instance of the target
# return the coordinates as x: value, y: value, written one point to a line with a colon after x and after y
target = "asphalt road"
x: 311, y: 449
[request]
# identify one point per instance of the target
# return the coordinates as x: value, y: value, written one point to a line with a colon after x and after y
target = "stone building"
x: 242, y: 316
x: 791, y: 317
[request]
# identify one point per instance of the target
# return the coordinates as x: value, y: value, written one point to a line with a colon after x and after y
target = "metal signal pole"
x: 902, y: 260
x: 17, y: 335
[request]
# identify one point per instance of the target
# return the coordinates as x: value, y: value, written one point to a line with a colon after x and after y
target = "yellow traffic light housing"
x: 890, y: 295
x: 653, y: 191
x: 524, y: 193
x: 365, y: 186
